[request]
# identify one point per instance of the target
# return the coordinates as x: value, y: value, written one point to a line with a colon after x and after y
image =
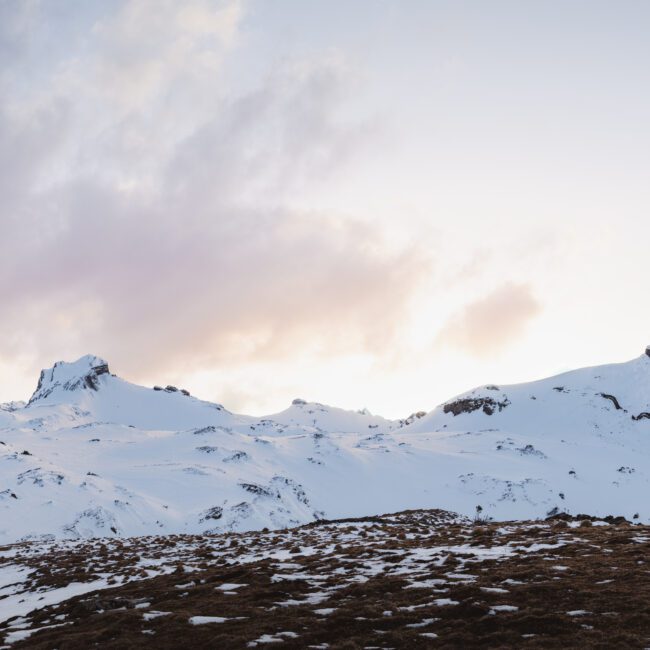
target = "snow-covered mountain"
x: 93, y: 455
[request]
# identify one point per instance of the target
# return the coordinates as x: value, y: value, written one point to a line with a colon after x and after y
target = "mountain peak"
x: 82, y: 374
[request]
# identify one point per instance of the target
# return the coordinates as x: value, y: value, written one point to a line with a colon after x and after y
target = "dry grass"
x: 573, y: 587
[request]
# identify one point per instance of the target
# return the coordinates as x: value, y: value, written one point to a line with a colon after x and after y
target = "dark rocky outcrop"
x: 212, y: 513
x: 412, y: 418
x: 83, y: 374
x: 613, y: 400
x: 259, y: 490
x: 101, y: 369
x: 470, y: 404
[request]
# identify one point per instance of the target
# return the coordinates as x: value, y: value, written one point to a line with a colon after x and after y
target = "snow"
x: 273, y: 638
x: 11, y: 576
x: 503, y: 608
x: 92, y: 455
x: 230, y: 586
x: 21, y: 635
x: 148, y: 616
x: 24, y: 602
x: 204, y: 620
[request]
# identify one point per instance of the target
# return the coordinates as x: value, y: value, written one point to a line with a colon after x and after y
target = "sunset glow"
x: 368, y: 204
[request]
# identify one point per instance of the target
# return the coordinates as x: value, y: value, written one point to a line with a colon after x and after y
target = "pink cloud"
x: 490, y: 324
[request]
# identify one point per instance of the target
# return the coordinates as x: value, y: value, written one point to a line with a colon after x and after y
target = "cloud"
x: 150, y: 218
x: 488, y: 325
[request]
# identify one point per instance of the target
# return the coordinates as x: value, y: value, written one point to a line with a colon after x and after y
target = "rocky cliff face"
x: 83, y: 374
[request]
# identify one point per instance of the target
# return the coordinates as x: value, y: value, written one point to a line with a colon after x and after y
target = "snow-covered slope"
x: 88, y: 386
x: 318, y: 417
x: 93, y: 455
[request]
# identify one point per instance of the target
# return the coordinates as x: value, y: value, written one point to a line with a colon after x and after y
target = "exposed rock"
x: 237, y: 456
x: 412, y: 418
x: 529, y: 450
x: 212, y: 513
x: 39, y: 477
x: 101, y: 369
x: 253, y: 488
x: 83, y: 374
x: 207, y: 449
x: 613, y: 400
x: 202, y: 430
x: 470, y: 404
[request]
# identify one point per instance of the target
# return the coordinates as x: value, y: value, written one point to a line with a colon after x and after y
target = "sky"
x: 373, y: 204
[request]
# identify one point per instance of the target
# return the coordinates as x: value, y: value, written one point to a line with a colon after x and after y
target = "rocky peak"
x: 83, y: 374
x: 418, y: 415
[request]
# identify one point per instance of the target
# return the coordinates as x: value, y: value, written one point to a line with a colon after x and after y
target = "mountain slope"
x: 93, y: 455
x: 614, y: 396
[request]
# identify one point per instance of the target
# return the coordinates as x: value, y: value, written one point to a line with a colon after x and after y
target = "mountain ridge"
x: 91, y: 454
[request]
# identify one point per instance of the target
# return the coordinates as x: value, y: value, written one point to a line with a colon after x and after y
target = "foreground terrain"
x: 414, y: 579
